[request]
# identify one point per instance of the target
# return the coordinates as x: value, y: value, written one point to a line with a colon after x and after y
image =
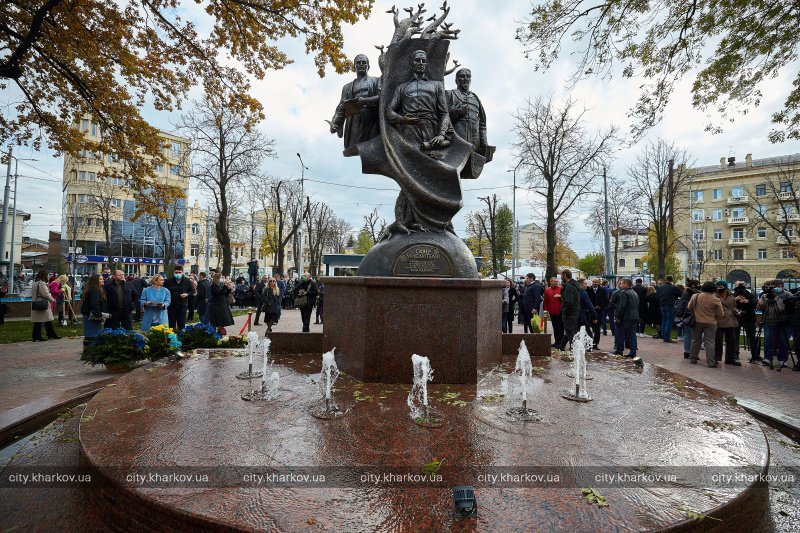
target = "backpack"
x: 680, y: 307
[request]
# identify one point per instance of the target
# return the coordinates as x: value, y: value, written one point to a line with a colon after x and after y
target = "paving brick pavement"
x: 32, y: 370
x: 780, y: 390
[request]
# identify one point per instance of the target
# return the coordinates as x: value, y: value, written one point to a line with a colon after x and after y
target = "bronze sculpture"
x: 356, y: 116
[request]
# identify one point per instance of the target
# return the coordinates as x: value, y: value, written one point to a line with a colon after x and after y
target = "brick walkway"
x: 780, y: 390
x: 29, y: 371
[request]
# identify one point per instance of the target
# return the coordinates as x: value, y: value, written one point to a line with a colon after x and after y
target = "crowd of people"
x: 114, y: 300
x: 710, y: 316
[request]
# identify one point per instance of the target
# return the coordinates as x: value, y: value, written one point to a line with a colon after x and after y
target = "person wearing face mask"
x: 107, y: 279
x: 180, y: 287
x: 727, y: 326
x: 773, y: 305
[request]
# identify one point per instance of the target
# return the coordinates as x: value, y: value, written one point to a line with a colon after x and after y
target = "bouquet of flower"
x: 199, y: 336
x: 233, y: 341
x: 115, y: 347
x: 162, y: 342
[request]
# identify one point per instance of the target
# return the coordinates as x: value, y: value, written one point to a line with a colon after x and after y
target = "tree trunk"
x: 551, y: 269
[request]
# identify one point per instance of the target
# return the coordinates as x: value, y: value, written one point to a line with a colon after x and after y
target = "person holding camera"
x: 773, y: 305
x: 155, y: 300
x: 746, y: 304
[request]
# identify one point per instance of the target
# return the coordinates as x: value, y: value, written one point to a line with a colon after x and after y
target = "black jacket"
x: 599, y: 296
x: 176, y: 288
x: 571, y: 300
x: 128, y: 294
x: 748, y: 308
x: 532, y: 298
x: 588, y: 312
x: 311, y: 291
x: 203, y: 291
x: 92, y: 303
x: 627, y: 305
x: 668, y: 294
x: 641, y: 293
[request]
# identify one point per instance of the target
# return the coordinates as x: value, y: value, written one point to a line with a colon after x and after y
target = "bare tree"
x: 171, y: 229
x: 374, y: 225
x: 659, y: 176
x: 319, y: 228
x: 340, y: 235
x: 562, y: 159
x: 620, y: 214
x: 782, y: 216
x: 497, y: 224
x: 279, y: 202
x: 103, y: 206
x: 227, y: 148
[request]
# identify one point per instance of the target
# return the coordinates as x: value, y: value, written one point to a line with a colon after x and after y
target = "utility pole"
x: 74, y: 236
x: 515, y: 226
x: 208, y: 239
x: 671, y: 194
x: 609, y: 267
x: 4, y: 222
x: 299, y: 258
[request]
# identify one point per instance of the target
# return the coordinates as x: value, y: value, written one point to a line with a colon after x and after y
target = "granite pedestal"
x: 377, y: 323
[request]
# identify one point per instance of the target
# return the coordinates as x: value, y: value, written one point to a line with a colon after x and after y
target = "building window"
x: 85, y: 124
x: 737, y: 212
x: 698, y: 215
x: 83, y: 175
x: 174, y: 170
x: 94, y: 128
x: 761, y: 233
x: 92, y: 176
x: 716, y: 255
x: 82, y: 198
x: 175, y: 148
x: 716, y: 194
x: 738, y: 233
x: 699, y: 255
x: 762, y: 253
x: 789, y: 231
x: 116, y: 202
x: 195, y: 228
x: 697, y: 196
x: 738, y: 254
x: 761, y: 209
x: 637, y: 263
x: 787, y: 253
x: 194, y: 250
x: 622, y: 262
x: 717, y: 234
x: 699, y: 235
x: 761, y: 189
x: 786, y: 186
x: 737, y: 192
x: 159, y: 167
x: 716, y: 214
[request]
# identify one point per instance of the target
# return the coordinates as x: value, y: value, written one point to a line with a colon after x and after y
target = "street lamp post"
x: 609, y: 268
x: 4, y: 221
x: 299, y: 258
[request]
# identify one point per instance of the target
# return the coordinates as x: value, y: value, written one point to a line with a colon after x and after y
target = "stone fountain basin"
x: 188, y: 418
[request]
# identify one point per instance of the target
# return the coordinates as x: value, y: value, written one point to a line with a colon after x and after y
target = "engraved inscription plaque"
x: 423, y: 260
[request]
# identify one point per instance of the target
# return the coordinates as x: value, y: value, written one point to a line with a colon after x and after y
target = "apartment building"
x: 97, y: 224
x: 743, y: 219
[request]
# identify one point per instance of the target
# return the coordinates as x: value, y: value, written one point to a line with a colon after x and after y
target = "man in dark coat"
x: 588, y: 314
x: 599, y: 298
x: 531, y: 300
x: 570, y: 307
x: 120, y: 296
x: 258, y: 298
x: 202, y: 297
x: 179, y: 290
x: 626, y: 316
x: 641, y: 293
x: 668, y: 294
x: 307, y: 288
x: 252, y: 271
x: 139, y: 285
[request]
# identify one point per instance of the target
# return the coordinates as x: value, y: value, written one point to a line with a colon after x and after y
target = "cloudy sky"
x: 297, y: 102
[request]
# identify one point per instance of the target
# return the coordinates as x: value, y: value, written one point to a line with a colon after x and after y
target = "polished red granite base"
x: 377, y: 323
x: 189, y: 419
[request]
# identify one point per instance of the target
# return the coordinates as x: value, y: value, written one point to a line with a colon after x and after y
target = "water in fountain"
x: 328, y: 376
x: 418, y: 397
x: 251, y: 350
x: 580, y: 344
x: 274, y: 383
x: 525, y: 369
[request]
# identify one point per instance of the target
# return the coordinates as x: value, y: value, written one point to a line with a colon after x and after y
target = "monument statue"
x: 356, y: 116
x: 468, y: 116
x: 420, y: 148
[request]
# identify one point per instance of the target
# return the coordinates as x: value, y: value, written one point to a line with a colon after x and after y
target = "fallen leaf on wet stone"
x: 137, y: 410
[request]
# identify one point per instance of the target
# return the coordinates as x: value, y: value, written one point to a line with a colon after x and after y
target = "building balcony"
x: 787, y: 218
x: 739, y: 241
x: 784, y: 241
x: 787, y: 196
x: 738, y: 221
x: 738, y: 200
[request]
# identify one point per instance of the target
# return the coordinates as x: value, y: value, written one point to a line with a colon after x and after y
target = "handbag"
x: 301, y: 301
x: 688, y: 319
x: 39, y: 304
x: 231, y: 298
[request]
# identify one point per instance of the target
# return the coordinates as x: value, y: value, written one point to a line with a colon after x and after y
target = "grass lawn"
x: 22, y: 330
